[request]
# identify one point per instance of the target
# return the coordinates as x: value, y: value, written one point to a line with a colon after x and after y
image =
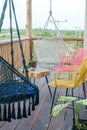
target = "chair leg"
x: 48, y: 86
x: 84, y: 94
x: 73, y: 109
x: 66, y: 91
x: 53, y: 100
x: 84, y: 90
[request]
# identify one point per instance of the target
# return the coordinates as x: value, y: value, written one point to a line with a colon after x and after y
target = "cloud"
x: 72, y: 10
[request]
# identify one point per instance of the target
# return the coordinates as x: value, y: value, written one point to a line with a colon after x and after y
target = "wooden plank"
x: 5, y: 52
x: 39, y: 118
x: 32, y: 119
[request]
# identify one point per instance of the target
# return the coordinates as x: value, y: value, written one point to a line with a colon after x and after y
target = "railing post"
x: 85, y: 29
x: 29, y: 24
x: 29, y: 18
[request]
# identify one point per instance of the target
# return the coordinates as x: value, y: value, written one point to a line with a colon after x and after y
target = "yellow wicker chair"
x: 69, y: 80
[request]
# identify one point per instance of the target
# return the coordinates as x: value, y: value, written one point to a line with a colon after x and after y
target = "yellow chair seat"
x: 62, y: 84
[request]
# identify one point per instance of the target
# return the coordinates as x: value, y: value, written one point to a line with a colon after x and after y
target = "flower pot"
x: 34, y: 65
x: 82, y: 125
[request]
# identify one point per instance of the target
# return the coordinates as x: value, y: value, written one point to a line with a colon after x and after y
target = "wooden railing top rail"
x: 36, y: 38
x: 64, y: 38
x: 14, y: 40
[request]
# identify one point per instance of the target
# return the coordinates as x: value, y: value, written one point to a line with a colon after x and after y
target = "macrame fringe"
x: 13, y: 111
x: 4, y: 113
x: 0, y: 113
x: 37, y: 99
x: 29, y: 110
x: 19, y: 111
x: 33, y: 104
x: 24, y: 109
x: 9, y: 112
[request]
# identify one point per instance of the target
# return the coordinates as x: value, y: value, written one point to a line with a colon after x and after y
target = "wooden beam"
x: 29, y: 24
x: 29, y: 18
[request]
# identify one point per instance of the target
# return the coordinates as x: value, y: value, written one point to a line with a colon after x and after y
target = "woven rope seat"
x: 48, y: 51
x: 18, y: 97
x: 50, y: 45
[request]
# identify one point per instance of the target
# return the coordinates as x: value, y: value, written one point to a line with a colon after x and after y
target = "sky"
x: 69, y: 13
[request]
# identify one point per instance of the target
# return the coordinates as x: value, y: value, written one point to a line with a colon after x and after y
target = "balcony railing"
x: 72, y: 43
x: 5, y: 51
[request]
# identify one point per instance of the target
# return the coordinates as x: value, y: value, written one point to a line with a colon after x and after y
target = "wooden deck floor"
x: 40, y: 118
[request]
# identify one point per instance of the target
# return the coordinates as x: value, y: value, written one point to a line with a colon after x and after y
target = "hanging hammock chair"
x: 48, y: 50
x: 15, y: 91
x: 18, y: 96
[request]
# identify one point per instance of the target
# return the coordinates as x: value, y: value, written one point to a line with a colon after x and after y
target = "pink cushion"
x: 63, y: 68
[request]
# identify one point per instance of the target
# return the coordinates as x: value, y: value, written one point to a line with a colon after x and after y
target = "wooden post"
x: 29, y: 19
x: 85, y: 31
x: 29, y: 24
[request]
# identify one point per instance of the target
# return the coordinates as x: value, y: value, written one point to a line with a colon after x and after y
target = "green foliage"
x: 78, y: 107
x: 5, y: 34
x: 58, y: 108
x: 32, y: 62
x: 38, y: 31
x: 66, y: 99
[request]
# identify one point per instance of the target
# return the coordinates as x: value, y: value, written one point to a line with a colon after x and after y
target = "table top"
x: 37, y: 72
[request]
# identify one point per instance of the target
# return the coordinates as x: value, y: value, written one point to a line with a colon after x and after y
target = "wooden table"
x: 39, y: 73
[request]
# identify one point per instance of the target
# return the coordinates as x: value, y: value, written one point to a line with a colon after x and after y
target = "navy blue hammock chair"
x: 18, y: 96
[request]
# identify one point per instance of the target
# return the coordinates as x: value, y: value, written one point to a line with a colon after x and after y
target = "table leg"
x: 48, y: 86
x: 34, y: 80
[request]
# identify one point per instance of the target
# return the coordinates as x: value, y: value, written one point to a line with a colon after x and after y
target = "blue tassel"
x: 24, y: 109
x: 29, y: 110
x: 33, y: 105
x: 13, y: 111
x: 0, y: 114
x: 19, y: 111
x: 4, y: 113
x: 9, y: 112
x: 37, y: 99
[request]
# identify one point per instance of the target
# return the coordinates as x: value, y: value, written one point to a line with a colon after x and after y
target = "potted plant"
x: 32, y: 63
x: 78, y: 123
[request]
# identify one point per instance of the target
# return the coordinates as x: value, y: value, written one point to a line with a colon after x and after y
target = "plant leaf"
x: 58, y: 108
x: 82, y: 102
x: 66, y: 98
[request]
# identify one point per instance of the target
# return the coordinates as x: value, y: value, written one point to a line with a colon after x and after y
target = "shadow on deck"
x: 40, y: 117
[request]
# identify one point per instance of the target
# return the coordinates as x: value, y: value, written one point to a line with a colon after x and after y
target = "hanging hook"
x: 50, y: 7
